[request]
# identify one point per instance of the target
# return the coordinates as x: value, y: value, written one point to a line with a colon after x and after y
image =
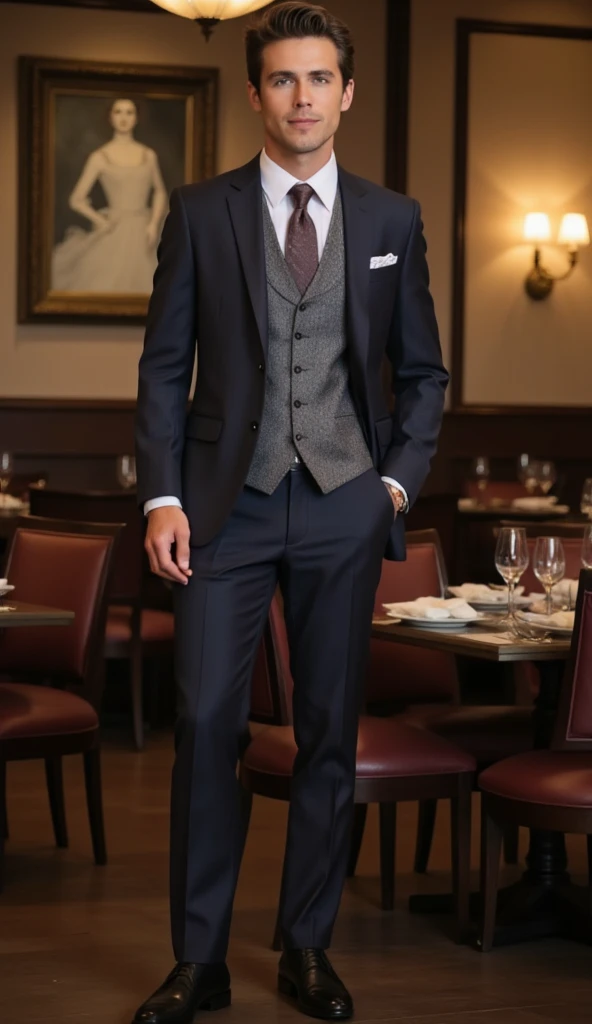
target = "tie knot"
x: 301, y: 195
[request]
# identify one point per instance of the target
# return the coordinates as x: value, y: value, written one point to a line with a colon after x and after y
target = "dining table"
x: 19, y: 613
x: 541, y: 901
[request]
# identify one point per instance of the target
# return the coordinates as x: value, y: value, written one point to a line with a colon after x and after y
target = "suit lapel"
x: 357, y: 224
x: 244, y: 203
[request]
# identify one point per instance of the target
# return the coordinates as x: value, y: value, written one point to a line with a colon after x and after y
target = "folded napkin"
x: 8, y: 501
x: 482, y: 593
x: 567, y: 589
x: 466, y: 504
x: 563, y: 619
x: 431, y: 608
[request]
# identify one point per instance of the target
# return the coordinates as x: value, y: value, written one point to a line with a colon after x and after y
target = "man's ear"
x: 348, y: 96
x: 254, y: 99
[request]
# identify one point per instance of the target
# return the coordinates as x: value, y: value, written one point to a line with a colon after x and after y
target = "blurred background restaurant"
x: 480, y: 109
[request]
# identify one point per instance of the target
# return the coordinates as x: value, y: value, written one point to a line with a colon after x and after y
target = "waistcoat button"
x: 298, y: 336
x: 297, y: 404
x: 298, y: 437
x: 297, y: 369
x: 302, y: 307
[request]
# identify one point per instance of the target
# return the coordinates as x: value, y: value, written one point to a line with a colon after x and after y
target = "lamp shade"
x: 537, y: 227
x: 574, y: 230
x: 216, y: 9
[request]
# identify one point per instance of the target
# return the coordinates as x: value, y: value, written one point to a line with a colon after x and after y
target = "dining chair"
x: 395, y: 762
x: 133, y: 633
x: 549, y: 790
x: 425, y: 684
x: 51, y: 678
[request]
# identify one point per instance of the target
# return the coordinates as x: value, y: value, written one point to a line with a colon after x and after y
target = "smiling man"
x: 291, y: 279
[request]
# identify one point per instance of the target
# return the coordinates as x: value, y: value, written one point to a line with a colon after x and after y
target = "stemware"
x: 549, y: 565
x: 530, y: 474
x: 511, y: 559
x: 480, y: 471
x: 126, y: 471
x: 586, y: 499
x: 587, y: 548
x: 547, y: 475
x: 6, y: 470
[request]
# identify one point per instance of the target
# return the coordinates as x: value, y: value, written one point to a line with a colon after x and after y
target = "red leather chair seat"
x: 386, y: 749
x: 27, y: 711
x: 552, y: 777
x: 489, y: 733
x: 156, y: 626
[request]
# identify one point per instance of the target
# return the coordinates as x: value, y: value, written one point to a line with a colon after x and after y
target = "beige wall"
x: 431, y: 181
x: 100, y: 362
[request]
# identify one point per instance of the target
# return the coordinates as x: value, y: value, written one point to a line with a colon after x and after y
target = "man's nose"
x: 302, y: 97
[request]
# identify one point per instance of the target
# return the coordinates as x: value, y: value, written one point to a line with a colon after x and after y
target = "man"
x: 295, y: 277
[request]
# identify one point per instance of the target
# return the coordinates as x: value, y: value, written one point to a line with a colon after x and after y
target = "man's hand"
x: 168, y: 525
x: 398, y: 499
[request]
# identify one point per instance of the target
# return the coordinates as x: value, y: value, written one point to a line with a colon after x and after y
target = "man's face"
x: 301, y: 96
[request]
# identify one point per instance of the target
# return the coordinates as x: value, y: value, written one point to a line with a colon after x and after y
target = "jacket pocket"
x: 203, y: 428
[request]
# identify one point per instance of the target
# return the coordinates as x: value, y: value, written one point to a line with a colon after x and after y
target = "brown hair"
x: 291, y: 20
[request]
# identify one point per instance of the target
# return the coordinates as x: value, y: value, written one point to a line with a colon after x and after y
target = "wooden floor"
x: 85, y: 944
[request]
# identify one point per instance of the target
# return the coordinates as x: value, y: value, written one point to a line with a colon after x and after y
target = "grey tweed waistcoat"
x: 308, y: 410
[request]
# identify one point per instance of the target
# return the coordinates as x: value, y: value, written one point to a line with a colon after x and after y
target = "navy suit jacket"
x: 210, y: 297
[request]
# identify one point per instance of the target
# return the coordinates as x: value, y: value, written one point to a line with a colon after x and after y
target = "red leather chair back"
x: 397, y: 673
x: 61, y: 565
x: 103, y: 507
x: 574, y: 722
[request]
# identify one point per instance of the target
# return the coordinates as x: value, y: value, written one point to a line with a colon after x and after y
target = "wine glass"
x: 587, y: 548
x: 530, y: 475
x: 511, y: 559
x: 547, y: 476
x: 549, y: 565
x: 6, y: 470
x: 586, y: 499
x: 480, y: 471
x: 126, y: 471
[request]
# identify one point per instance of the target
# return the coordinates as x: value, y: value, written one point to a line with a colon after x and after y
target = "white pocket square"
x: 376, y: 262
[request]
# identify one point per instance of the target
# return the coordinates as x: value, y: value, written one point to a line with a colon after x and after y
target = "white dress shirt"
x: 276, y: 184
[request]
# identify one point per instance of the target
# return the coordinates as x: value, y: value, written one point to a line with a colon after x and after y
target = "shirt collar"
x: 277, y: 182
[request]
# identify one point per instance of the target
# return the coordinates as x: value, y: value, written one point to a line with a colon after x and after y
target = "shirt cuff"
x: 160, y: 503
x: 395, y: 483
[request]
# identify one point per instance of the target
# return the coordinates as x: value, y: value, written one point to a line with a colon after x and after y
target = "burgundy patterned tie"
x: 302, y: 250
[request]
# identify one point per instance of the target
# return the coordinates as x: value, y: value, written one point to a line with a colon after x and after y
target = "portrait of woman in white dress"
x: 116, y: 253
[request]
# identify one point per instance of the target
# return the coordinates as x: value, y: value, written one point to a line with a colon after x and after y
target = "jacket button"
x: 298, y: 336
x: 261, y: 367
x: 298, y: 437
x: 254, y: 425
x: 297, y: 404
x: 297, y: 369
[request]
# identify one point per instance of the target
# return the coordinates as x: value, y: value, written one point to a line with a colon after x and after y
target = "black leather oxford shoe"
x: 306, y: 976
x: 188, y: 988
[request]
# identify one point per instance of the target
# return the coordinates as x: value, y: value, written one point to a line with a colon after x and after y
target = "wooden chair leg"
x: 2, y: 819
x: 388, y: 829
x: 359, y: 823
x: 460, y: 827
x: 136, y: 693
x: 491, y: 847
x: 511, y: 844
x: 94, y: 801
x: 426, y: 820
x: 55, y: 789
x: 3, y: 804
x: 589, y: 849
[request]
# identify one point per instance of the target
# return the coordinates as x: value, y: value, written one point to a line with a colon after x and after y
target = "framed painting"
x: 101, y: 147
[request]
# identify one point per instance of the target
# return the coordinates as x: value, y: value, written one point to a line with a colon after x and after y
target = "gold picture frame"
x: 73, y: 268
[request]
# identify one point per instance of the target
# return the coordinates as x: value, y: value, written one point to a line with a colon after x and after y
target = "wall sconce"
x: 573, y: 233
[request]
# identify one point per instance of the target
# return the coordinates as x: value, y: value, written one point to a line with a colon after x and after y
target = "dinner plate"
x: 437, y: 623
x: 502, y: 606
x: 5, y: 589
x: 547, y: 627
